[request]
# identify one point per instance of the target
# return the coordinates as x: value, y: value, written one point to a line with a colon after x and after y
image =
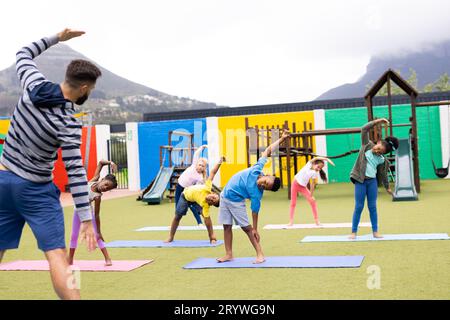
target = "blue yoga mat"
x: 386, y: 237
x: 162, y: 244
x: 281, y: 262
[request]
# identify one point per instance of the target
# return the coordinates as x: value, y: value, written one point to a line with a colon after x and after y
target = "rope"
x: 431, y: 148
x: 329, y: 157
x: 430, y: 137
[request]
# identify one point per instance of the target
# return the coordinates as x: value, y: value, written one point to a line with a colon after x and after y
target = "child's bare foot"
x: 108, y: 262
x: 290, y: 224
x: 225, y: 259
x: 318, y: 223
x: 352, y: 236
x: 377, y: 235
x: 259, y: 259
x: 70, y: 261
x: 169, y: 240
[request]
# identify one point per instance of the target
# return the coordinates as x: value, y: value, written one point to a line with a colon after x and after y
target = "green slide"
x: 156, y: 193
x: 404, y: 173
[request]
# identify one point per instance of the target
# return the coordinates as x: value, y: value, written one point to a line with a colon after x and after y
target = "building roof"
x: 398, y: 80
x: 291, y: 107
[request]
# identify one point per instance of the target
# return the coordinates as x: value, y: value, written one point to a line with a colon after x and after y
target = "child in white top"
x: 310, y: 172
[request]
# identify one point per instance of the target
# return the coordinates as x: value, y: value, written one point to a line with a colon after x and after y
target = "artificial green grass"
x: 409, y: 269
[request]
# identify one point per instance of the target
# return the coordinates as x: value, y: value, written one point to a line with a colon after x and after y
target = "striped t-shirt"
x: 43, y: 121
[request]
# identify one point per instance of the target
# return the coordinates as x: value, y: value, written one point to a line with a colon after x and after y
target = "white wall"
x: 102, y: 135
x: 134, y: 181
x: 213, y: 136
x: 444, y: 115
x: 321, y: 141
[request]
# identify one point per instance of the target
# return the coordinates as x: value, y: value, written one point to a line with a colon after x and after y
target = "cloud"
x: 234, y: 52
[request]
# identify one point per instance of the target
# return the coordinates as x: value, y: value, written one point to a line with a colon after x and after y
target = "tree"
x: 442, y: 84
x: 428, y: 88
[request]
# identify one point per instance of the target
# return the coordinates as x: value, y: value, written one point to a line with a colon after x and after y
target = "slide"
x: 155, y: 194
x: 404, y: 173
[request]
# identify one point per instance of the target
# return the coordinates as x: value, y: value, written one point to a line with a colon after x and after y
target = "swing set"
x: 440, y: 172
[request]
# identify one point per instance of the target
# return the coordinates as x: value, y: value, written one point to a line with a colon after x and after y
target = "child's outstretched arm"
x: 197, y: 154
x: 365, y: 129
x: 216, y: 169
x: 100, y: 166
x: 270, y: 148
x: 323, y: 159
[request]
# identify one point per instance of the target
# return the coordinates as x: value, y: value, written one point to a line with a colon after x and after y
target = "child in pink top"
x: 311, y: 171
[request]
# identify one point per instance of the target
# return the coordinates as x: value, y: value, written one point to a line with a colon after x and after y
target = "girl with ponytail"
x: 311, y: 171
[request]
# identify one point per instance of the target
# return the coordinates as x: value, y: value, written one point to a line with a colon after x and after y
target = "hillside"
x: 429, y: 65
x: 115, y: 99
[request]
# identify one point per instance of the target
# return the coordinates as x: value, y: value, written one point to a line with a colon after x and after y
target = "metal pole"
x: 389, y: 98
x: 247, y: 141
x: 288, y: 161
x: 415, y: 144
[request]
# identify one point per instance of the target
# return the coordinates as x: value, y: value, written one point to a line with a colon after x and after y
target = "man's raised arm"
x: 26, y: 68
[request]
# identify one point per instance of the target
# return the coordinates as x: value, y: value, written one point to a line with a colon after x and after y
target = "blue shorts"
x: 183, y: 205
x: 34, y: 203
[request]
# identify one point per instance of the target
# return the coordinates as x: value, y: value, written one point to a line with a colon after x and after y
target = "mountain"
x: 114, y: 100
x: 429, y: 64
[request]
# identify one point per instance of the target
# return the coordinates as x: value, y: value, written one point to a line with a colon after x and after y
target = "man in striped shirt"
x: 43, y: 121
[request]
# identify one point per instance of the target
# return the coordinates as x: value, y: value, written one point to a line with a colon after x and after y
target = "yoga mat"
x: 280, y: 262
x: 82, y: 265
x: 313, y: 226
x: 162, y: 244
x: 386, y: 237
x: 182, y: 228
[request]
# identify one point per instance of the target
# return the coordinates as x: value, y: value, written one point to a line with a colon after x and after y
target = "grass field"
x: 409, y: 269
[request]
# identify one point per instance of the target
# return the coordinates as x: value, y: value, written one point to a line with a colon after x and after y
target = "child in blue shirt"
x: 246, y: 184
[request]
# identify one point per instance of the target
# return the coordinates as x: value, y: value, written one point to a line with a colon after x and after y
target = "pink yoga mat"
x: 82, y: 265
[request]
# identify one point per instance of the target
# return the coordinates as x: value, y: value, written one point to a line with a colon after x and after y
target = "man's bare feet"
x: 259, y: 259
x: 168, y: 240
x: 377, y: 235
x: 225, y: 259
x: 108, y: 262
x: 352, y: 236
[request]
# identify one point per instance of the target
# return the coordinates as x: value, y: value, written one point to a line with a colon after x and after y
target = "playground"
x: 409, y: 269
x: 308, y: 260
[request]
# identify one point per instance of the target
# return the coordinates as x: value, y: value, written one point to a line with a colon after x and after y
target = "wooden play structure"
x: 385, y: 79
x: 173, y: 161
x: 301, y: 143
x: 179, y: 158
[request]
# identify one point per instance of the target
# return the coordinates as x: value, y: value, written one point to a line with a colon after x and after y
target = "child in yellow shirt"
x: 199, y: 197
